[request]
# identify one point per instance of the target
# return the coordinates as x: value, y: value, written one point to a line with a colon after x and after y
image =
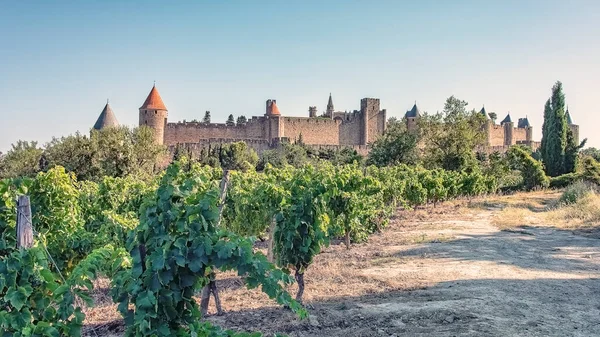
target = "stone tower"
x: 487, y: 126
x: 329, y: 110
x: 153, y: 113
x: 274, y: 119
x: 412, y: 116
x: 106, y: 119
x: 369, y: 108
x: 508, y: 125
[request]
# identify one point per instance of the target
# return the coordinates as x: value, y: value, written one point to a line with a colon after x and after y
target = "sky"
x: 61, y: 60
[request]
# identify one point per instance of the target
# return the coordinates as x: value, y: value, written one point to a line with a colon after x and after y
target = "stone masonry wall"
x: 314, y: 130
x: 192, y: 132
x: 519, y: 135
x: 496, y: 135
x: 350, y: 132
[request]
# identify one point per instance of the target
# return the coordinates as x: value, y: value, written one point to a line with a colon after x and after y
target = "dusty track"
x: 439, y: 272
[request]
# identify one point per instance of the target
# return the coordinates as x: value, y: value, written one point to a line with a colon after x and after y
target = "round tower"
x: 153, y: 113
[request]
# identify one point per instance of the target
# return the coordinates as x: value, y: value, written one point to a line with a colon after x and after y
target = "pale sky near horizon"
x: 61, y: 60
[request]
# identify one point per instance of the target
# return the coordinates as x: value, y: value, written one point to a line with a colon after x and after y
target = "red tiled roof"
x: 154, y: 102
x: 275, y: 109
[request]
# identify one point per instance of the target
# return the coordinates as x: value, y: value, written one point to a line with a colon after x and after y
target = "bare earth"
x: 447, y: 271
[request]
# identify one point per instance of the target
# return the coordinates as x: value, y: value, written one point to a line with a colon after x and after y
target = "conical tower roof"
x: 483, y: 112
x: 154, y: 101
x: 330, y: 103
x: 275, y: 109
x: 106, y: 119
x: 569, y: 120
x: 506, y: 119
x: 414, y: 112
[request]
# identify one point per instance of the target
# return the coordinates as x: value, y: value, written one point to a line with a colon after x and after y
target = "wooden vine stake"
x: 24, y: 226
x: 211, y: 288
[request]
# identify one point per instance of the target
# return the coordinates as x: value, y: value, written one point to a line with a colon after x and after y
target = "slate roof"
x: 330, y: 103
x: 523, y: 123
x: 483, y: 112
x: 569, y: 120
x: 414, y: 112
x: 153, y: 101
x: 106, y: 119
x: 506, y: 119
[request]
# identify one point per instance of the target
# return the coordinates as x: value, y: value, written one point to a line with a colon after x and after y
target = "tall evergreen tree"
x: 241, y: 120
x: 230, y: 121
x: 206, y: 118
x: 554, y: 133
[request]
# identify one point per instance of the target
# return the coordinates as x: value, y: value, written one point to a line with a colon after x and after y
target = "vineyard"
x: 161, y: 243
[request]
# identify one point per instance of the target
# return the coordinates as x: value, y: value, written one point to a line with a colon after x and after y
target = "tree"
x: 396, y: 146
x: 206, y: 118
x: 230, y: 156
x: 493, y: 117
x: 22, y: 160
x: 532, y: 170
x: 230, y: 120
x: 554, y: 133
x: 241, y: 120
x: 450, y: 137
x: 572, y: 152
x: 75, y: 153
x: 592, y: 152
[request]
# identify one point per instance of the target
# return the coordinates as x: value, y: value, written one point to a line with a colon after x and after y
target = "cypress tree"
x: 554, y: 132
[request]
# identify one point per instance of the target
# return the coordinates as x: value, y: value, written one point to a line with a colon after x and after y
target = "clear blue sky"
x: 61, y: 60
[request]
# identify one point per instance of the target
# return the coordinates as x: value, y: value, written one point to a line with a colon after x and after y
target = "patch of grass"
x: 428, y: 238
x: 575, y: 192
x: 512, y: 217
x: 583, y: 213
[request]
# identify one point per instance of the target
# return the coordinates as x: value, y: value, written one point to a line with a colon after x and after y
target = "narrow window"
x: 155, y: 112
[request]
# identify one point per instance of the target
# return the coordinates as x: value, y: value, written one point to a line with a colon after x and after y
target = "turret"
x: 275, y: 122
x: 508, y: 125
x: 329, y: 110
x: 312, y: 111
x: 153, y: 113
x: 106, y: 119
x: 412, y: 116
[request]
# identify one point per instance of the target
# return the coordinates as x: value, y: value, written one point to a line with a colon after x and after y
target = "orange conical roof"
x: 154, y: 102
x: 275, y: 109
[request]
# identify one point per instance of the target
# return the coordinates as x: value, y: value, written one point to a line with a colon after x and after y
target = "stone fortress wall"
x: 332, y: 130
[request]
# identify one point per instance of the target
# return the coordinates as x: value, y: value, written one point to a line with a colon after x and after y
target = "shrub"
x: 575, y: 192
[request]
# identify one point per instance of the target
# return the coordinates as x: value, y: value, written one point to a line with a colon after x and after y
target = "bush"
x: 575, y: 192
x: 532, y: 170
x: 564, y: 180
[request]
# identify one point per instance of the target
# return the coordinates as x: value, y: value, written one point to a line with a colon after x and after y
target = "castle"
x: 499, y: 137
x: 332, y: 130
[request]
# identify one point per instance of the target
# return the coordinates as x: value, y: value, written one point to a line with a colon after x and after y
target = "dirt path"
x: 441, y: 272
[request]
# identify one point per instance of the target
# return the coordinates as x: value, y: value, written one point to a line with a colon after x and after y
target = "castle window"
x: 146, y: 122
x: 155, y: 112
x: 145, y: 112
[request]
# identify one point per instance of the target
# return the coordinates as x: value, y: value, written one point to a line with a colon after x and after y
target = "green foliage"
x: 302, y: 223
x: 564, y: 180
x: 230, y: 156
x: 415, y: 193
x: 591, y: 152
x: 590, y: 170
x: 473, y: 183
x: 230, y: 121
x: 396, y: 146
x: 531, y: 170
x: 173, y: 251
x: 22, y: 160
x: 241, y: 120
x: 554, y: 133
x: 574, y: 192
x: 206, y: 118
x: 449, y: 138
